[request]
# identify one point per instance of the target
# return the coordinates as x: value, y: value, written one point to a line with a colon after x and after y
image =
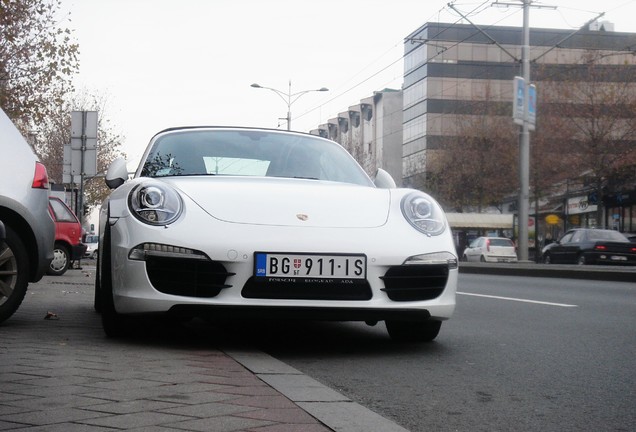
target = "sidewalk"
x: 58, y: 372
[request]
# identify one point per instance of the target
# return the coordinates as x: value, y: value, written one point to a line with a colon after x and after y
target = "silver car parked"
x: 27, y: 249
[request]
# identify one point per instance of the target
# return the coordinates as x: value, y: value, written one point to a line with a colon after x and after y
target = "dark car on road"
x: 591, y: 246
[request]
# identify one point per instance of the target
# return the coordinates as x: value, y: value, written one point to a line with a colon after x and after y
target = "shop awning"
x: 480, y: 220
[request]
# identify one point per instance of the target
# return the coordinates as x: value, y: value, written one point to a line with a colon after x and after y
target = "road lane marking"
x: 518, y: 300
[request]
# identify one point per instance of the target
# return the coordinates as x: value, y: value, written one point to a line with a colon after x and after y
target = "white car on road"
x: 228, y: 222
x: 491, y: 249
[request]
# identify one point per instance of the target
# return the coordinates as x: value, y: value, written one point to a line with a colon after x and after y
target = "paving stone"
x: 129, y: 407
x: 49, y: 417
x: 220, y: 424
x: 135, y: 420
x: 292, y: 428
x: 54, y: 402
x: 264, y: 401
x: 212, y: 409
x: 65, y: 427
x: 280, y: 415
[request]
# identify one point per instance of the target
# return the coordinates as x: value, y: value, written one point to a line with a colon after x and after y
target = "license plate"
x: 310, y: 266
x: 619, y: 258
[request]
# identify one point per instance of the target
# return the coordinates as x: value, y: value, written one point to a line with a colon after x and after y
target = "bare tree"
x: 56, y: 132
x: 593, y: 115
x: 37, y: 60
x: 478, y: 167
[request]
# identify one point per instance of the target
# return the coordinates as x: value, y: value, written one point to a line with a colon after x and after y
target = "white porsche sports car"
x: 226, y: 222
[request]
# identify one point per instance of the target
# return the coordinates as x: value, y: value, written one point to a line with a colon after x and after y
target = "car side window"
x: 61, y: 212
x: 566, y: 238
x: 577, y: 237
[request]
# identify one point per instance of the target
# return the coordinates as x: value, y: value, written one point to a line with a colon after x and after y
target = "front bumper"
x: 224, y: 279
x: 611, y: 258
x: 501, y: 258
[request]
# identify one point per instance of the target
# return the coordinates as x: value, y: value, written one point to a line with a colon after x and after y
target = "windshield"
x: 501, y: 242
x: 246, y: 152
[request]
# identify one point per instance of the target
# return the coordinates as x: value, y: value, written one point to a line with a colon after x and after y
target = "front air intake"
x: 415, y: 282
x: 186, y: 277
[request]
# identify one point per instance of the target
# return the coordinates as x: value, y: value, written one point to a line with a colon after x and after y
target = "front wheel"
x: 547, y: 259
x: 61, y: 260
x: 114, y: 324
x: 581, y: 260
x: 413, y: 331
x: 14, y: 268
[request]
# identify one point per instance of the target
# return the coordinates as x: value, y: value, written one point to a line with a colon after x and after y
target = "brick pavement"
x: 58, y: 372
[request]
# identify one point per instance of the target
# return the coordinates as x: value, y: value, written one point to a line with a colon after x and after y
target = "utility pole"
x: 524, y: 142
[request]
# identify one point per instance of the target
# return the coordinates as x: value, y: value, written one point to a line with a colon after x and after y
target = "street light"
x: 289, y: 98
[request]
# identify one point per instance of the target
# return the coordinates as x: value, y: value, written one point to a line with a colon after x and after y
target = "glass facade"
x: 453, y: 72
x: 622, y: 218
x: 454, y: 62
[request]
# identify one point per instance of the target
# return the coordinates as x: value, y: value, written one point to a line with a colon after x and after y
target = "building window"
x: 414, y: 128
x: 415, y: 94
x: 414, y: 59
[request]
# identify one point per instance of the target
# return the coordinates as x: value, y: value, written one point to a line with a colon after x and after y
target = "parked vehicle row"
x: 287, y: 224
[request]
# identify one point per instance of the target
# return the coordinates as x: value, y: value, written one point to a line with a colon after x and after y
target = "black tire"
x: 413, y: 331
x: 547, y: 259
x: 14, y: 274
x: 61, y: 260
x: 581, y: 260
x: 114, y: 324
x: 97, y: 301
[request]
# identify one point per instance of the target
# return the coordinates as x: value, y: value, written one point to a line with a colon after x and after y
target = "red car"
x: 68, y: 237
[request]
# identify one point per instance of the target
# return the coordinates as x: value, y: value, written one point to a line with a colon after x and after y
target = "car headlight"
x: 155, y: 203
x: 423, y: 213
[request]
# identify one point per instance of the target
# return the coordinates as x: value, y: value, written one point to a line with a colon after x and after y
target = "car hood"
x: 287, y: 202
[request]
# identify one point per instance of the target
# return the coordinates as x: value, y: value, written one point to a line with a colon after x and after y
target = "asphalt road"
x: 522, y: 354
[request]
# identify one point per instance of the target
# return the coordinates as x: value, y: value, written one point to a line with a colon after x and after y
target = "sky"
x: 167, y: 63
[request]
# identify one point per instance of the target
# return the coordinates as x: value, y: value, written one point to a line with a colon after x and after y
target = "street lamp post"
x: 289, y: 98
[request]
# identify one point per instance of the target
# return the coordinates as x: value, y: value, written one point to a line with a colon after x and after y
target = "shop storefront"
x: 579, y: 213
x: 620, y: 211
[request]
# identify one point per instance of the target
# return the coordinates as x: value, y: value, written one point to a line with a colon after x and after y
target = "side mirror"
x: 117, y: 173
x: 383, y: 180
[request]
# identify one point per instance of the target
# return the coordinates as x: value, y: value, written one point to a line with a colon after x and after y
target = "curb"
x: 605, y: 273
